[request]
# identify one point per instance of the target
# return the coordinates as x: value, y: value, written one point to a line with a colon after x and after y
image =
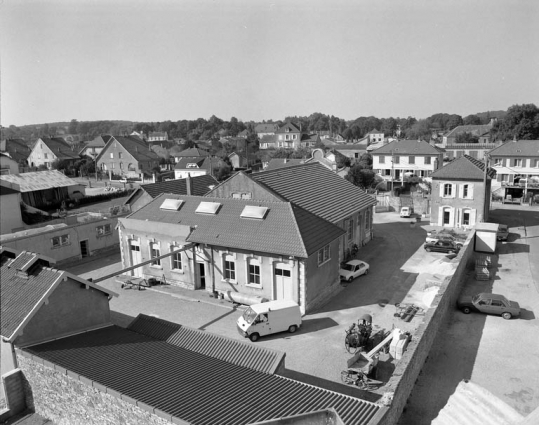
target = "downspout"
x: 212, y: 273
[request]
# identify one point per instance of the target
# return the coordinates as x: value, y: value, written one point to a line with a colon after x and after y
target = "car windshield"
x: 349, y: 267
x: 475, y: 298
x: 249, y: 316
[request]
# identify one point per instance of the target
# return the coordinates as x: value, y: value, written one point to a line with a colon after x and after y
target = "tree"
x: 72, y: 129
x: 361, y: 177
x: 521, y: 122
x: 472, y: 120
x: 366, y: 161
x: 466, y: 138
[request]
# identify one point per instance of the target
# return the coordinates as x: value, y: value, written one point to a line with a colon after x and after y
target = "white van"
x: 269, y: 318
x: 407, y: 211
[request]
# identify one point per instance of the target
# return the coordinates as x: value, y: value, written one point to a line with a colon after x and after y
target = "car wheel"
x: 254, y: 337
x: 507, y: 315
x: 292, y: 329
x: 366, y: 271
x: 428, y: 249
x: 350, y: 279
x: 466, y: 310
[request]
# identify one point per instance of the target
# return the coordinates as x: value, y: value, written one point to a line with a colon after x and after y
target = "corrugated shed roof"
x: 39, y: 180
x: 285, y: 229
x: 192, y: 387
x: 407, y: 147
x: 529, y: 148
x: 316, y: 189
x: 464, y: 168
x: 200, y: 185
x: 210, y: 344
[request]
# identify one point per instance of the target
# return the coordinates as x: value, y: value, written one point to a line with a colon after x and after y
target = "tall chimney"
x: 189, y: 184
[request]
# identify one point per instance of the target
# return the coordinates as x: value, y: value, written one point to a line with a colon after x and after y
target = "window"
x: 120, y: 155
x: 155, y: 252
x: 230, y: 268
x: 45, y: 155
x: 466, y: 218
x: 536, y: 163
x: 112, y: 155
x: 106, y: 229
x: 382, y: 159
x: 447, y: 216
x: 323, y: 255
x: 121, y: 165
x: 176, y: 259
x: 397, y: 159
x: 428, y: 160
x: 498, y: 162
x: 517, y: 163
x: 448, y: 190
x: 254, y: 272
x: 367, y: 219
x: 465, y: 191
x: 350, y: 229
x: 411, y: 160
x: 59, y: 241
x: 356, y: 155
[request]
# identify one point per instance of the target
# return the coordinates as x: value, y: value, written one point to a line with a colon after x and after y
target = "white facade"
x: 193, y: 172
x: 397, y: 166
x: 8, y: 165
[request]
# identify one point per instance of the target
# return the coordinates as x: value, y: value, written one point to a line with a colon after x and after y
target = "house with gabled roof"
x: 314, y: 188
x: 95, y: 146
x: 198, y: 185
x: 48, y: 150
x: 127, y: 156
x: 195, y: 166
x: 17, y: 149
x: 262, y: 130
x: 459, y: 196
x: 401, y: 158
x: 191, y: 152
x: 375, y: 136
x: 481, y: 131
x: 263, y: 249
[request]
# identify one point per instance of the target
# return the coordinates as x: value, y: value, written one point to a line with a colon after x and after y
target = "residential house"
x: 198, y: 185
x: 191, y: 152
x: 314, y: 188
x: 48, y: 150
x: 139, y: 134
x: 8, y: 165
x: 195, y: 166
x: 328, y: 159
x: 402, y: 158
x: 17, y: 149
x: 375, y: 136
x: 354, y: 151
x: 237, y: 161
x: 94, y: 147
x: 288, y: 136
x: 262, y: 130
x: 10, y: 209
x: 243, y: 134
x: 128, y: 157
x: 459, y: 196
x: 475, y: 150
x: 482, y: 132
x: 270, y: 249
x: 157, y: 136
x: 40, y: 188
x: 268, y: 141
x: 517, y: 168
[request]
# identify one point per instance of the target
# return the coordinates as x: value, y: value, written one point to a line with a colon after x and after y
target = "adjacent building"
x: 189, y: 153
x: 375, y: 136
x: 193, y: 166
x: 94, y: 147
x: 10, y: 209
x: 48, y: 150
x: 262, y: 130
x: 157, y: 136
x: 8, y: 165
x: 482, y: 132
x: 460, y: 197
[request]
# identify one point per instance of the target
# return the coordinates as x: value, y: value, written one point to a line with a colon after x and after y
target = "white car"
x: 124, y: 180
x: 353, y: 269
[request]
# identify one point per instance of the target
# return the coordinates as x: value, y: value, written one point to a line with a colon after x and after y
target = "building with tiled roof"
x: 199, y: 186
x: 127, y: 156
x: 196, y: 166
x: 268, y: 249
x: 10, y: 209
x: 314, y: 188
x: 375, y: 136
x: 481, y: 131
x: 40, y: 303
x: 191, y: 152
x: 157, y: 136
x: 262, y: 130
x: 459, y: 196
x: 17, y: 149
x: 94, y: 147
x: 152, y: 377
x: 402, y: 158
x: 268, y: 141
x: 48, y: 150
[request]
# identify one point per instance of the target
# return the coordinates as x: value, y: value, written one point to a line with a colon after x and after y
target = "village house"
x: 268, y: 141
x: 194, y: 166
x: 459, y: 198
x: 265, y: 249
x: 404, y: 158
x: 375, y: 136
x: 157, y: 136
x: 128, y: 157
x: 48, y: 150
x: 94, y: 147
x: 481, y: 131
x: 262, y: 130
x: 16, y: 149
x: 191, y: 152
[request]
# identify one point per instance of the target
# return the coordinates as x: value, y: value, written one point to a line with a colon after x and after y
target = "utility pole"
x: 392, y: 171
x: 485, y: 204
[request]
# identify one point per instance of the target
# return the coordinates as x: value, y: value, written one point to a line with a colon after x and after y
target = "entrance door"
x: 446, y: 217
x: 397, y: 174
x: 202, y: 275
x: 84, y: 251
x: 284, y: 289
x: 136, y: 258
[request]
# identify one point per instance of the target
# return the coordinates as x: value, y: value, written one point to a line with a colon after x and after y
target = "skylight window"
x: 251, y: 211
x: 171, y: 204
x: 208, y: 208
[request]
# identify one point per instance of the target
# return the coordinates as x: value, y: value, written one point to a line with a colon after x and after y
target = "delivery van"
x: 407, y: 211
x: 269, y: 318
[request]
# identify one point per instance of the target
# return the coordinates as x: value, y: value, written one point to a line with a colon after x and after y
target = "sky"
x: 259, y: 60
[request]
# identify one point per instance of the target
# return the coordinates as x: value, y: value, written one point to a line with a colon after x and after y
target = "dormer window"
x: 191, y: 166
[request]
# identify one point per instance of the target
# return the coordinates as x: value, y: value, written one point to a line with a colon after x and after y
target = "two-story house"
x: 401, y: 158
x: 517, y: 167
x: 94, y: 147
x: 262, y: 130
x: 48, y: 150
x: 157, y: 136
x: 459, y: 196
x: 375, y: 136
x: 288, y: 136
x: 481, y: 131
x: 127, y: 156
x: 194, y: 166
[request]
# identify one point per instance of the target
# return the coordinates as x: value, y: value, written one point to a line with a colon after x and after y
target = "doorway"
x: 284, y: 289
x: 202, y: 275
x: 136, y: 258
x: 84, y: 249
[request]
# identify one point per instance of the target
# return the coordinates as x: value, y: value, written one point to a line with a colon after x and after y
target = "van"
x: 407, y: 211
x: 269, y: 318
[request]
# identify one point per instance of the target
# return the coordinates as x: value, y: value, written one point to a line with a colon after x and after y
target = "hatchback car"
x: 502, y: 233
x: 442, y: 245
x: 353, y: 269
x: 489, y: 304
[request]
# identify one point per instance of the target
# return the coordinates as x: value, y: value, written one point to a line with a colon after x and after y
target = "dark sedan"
x: 442, y: 245
x: 489, y: 304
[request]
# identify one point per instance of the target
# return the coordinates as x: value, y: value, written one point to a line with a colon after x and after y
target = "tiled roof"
x: 275, y: 163
x: 200, y: 161
x: 463, y: 168
x: 192, y: 152
x: 285, y: 229
x: 39, y: 180
x: 266, y: 128
x: 157, y: 134
x: 268, y: 138
x: 476, y: 130
x: 99, y: 141
x: 292, y: 128
x: 136, y: 147
x: 217, y: 346
x: 60, y: 148
x: 407, y: 147
x: 16, y: 148
x: 189, y: 386
x: 200, y: 185
x: 529, y: 148
x: 316, y: 189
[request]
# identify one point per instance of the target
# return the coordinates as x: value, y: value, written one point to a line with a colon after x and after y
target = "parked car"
x: 489, y: 304
x: 442, y: 245
x: 353, y: 269
x: 407, y: 211
x: 124, y: 180
x: 503, y: 232
x: 444, y: 237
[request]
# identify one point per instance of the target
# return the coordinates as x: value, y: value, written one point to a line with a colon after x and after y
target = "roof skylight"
x: 252, y: 211
x: 208, y: 208
x: 171, y: 204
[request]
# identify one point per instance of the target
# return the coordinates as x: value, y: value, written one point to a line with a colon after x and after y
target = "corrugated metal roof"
x: 39, y: 180
x: 316, y: 189
x: 192, y: 387
x: 213, y: 345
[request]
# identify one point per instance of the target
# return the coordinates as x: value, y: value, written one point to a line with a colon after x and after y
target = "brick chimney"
x: 189, y: 184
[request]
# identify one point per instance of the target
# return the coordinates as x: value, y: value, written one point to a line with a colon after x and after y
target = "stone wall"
x: 408, y: 368
x: 66, y: 398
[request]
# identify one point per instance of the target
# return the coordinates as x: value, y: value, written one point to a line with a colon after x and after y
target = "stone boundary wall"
x: 14, y: 391
x: 80, y: 401
x: 407, y: 370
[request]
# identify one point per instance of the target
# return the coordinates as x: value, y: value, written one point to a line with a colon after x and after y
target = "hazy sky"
x: 169, y: 60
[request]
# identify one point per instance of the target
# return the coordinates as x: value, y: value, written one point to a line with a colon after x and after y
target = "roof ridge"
x: 296, y: 226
